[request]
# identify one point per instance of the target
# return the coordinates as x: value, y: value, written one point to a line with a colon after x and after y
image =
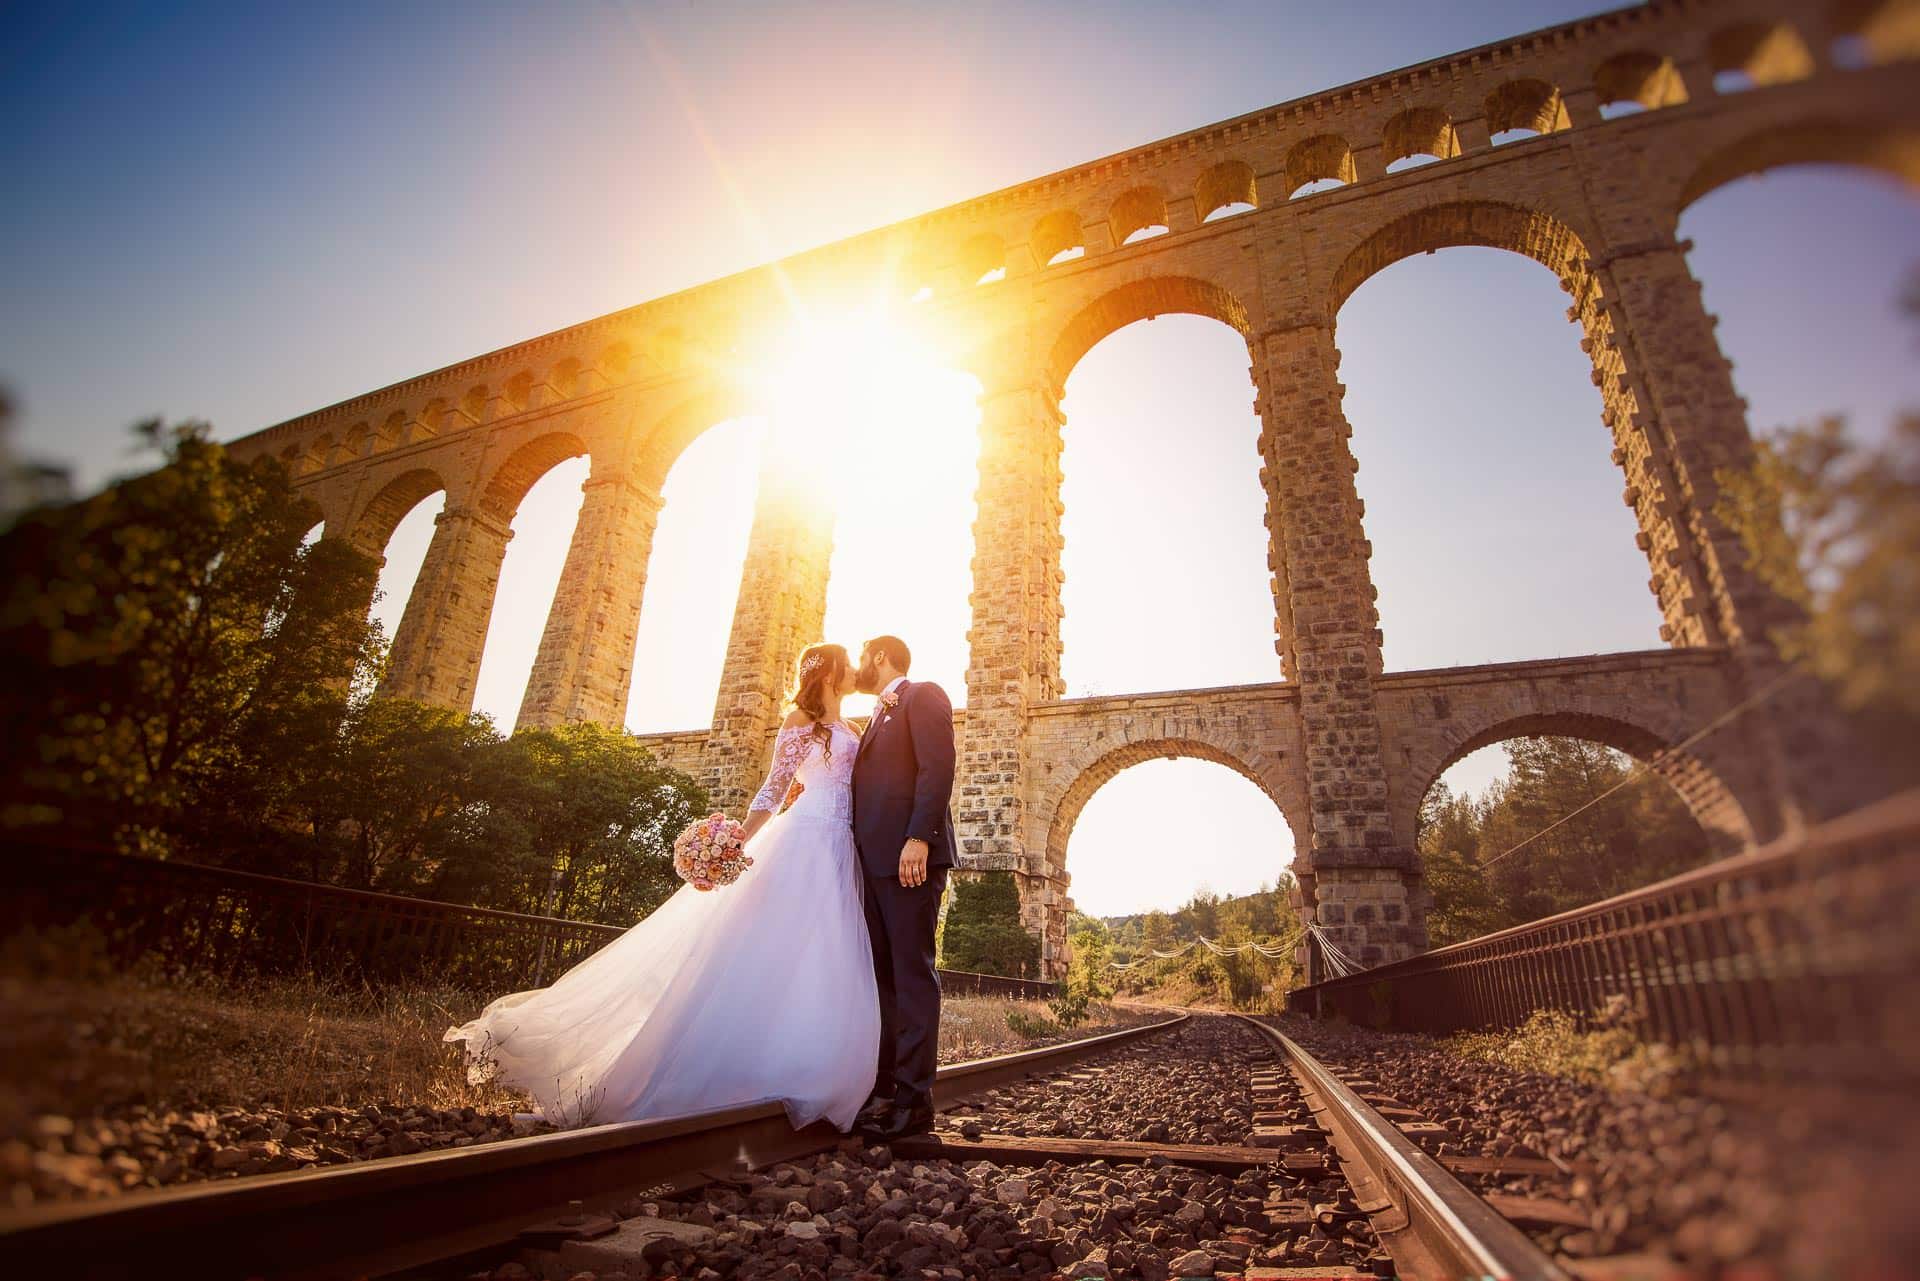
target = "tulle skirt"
x: 759, y: 990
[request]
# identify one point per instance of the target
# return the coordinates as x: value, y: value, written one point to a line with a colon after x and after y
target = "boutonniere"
x: 890, y: 700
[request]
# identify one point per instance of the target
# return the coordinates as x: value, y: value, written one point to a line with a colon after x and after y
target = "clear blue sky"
x: 242, y: 213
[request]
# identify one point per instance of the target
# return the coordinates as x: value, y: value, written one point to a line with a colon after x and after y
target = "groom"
x: 902, y: 781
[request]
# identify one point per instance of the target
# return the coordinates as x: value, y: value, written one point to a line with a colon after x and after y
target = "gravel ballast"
x: 1798, y: 1183
x: 859, y: 1212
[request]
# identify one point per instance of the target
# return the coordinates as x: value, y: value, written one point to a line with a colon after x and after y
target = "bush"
x: 1030, y: 1026
x: 1551, y: 1042
x: 1070, y: 1007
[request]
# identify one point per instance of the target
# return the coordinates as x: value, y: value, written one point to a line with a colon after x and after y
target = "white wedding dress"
x: 758, y: 990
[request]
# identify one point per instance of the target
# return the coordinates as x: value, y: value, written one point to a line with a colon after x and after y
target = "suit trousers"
x: 900, y: 923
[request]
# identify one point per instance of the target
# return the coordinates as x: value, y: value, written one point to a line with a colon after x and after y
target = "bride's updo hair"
x: 820, y: 668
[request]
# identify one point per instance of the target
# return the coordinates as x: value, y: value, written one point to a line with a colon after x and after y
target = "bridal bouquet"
x: 711, y: 852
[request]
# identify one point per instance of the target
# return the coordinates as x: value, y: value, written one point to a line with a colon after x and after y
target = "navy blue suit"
x: 902, y: 786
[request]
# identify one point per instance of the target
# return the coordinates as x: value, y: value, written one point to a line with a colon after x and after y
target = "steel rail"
x: 378, y: 1217
x: 1436, y: 1228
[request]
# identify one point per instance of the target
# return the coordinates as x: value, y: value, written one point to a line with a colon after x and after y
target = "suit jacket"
x: 903, y: 780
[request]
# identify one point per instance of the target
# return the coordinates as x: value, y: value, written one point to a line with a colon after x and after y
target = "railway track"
x: 1304, y: 1173
x: 382, y: 1217
x: 1201, y: 1145
x: 1431, y: 1223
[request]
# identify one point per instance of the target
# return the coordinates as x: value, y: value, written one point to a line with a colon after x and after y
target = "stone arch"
x: 685, y: 423
x: 1768, y: 53
x: 1526, y: 104
x: 1633, y: 731
x: 1530, y: 232
x: 1089, y: 776
x: 392, y: 433
x: 1321, y: 158
x: 389, y: 505
x: 517, y: 394
x: 1891, y: 149
x: 1665, y: 536
x: 1141, y: 300
x: 1055, y: 234
x: 1419, y: 131
x: 503, y: 491
x: 617, y: 359
x: 1137, y: 210
x: 1641, y: 77
x: 980, y: 256
x: 322, y: 454
x: 564, y: 377
x: 1889, y: 29
x: 1231, y: 182
x: 473, y: 404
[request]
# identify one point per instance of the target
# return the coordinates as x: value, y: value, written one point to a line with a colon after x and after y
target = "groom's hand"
x: 913, y: 862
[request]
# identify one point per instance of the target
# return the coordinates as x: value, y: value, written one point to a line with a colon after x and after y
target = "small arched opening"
x: 1224, y: 190
x: 1524, y: 109
x: 1637, y: 81
x: 397, y: 526
x: 537, y: 492
x: 1418, y: 136
x: 1057, y: 238
x: 1140, y: 214
x: 1753, y: 54
x: 1318, y: 164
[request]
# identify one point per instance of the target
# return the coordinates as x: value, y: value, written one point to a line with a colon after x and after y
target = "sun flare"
x: 856, y: 394
x: 864, y: 413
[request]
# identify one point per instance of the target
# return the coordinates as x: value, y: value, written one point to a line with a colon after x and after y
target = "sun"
x: 866, y: 416
x: 853, y: 395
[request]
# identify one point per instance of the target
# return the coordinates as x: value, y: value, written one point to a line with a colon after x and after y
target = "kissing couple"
x: 810, y: 979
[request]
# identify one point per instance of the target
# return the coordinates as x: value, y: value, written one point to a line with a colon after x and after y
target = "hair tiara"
x: 812, y: 661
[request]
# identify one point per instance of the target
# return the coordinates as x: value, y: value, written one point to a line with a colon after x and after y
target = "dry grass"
x: 76, y: 1040
x: 974, y: 1027
x: 1552, y: 1043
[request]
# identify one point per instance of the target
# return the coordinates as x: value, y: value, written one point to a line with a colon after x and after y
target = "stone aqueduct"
x: 1345, y: 749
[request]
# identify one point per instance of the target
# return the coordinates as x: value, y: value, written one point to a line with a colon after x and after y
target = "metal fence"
x: 215, y: 920
x: 1797, y: 963
x: 967, y: 983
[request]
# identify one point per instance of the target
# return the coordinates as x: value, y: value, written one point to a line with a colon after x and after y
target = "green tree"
x: 1090, y: 948
x: 162, y: 631
x: 1464, y: 905
x: 577, y: 822
x: 1202, y: 913
x: 398, y: 797
x: 1506, y: 858
x: 1156, y: 931
x: 1834, y: 526
x: 983, y: 931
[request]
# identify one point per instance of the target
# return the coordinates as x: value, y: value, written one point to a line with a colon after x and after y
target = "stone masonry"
x: 1718, y: 90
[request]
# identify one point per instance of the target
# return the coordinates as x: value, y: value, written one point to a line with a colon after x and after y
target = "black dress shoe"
x: 905, y: 1122
x: 873, y: 1113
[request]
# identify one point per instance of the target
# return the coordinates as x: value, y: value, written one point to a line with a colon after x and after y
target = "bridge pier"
x: 584, y: 668
x: 437, y: 647
x: 1684, y: 427
x: 1359, y: 883
x: 780, y: 610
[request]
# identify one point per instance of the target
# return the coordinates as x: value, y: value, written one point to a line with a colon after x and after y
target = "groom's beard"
x: 866, y: 680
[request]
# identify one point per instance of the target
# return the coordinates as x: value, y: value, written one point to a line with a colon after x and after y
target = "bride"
x: 762, y: 989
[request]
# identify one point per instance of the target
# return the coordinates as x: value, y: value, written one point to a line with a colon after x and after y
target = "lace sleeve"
x: 790, y: 750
